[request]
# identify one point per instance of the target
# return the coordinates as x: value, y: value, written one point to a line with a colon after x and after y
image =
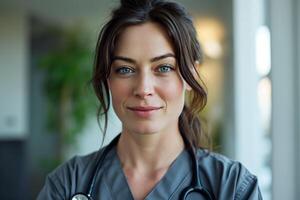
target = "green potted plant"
x: 68, y: 69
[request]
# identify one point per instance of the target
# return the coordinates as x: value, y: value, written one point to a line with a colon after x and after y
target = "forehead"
x: 143, y: 40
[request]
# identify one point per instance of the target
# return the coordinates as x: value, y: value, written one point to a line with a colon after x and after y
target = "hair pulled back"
x: 179, y: 26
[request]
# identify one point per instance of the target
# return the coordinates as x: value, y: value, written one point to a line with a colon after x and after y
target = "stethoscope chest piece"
x: 194, y: 193
x: 80, y: 196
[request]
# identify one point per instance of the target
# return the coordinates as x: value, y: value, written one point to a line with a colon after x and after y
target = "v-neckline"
x: 172, y: 180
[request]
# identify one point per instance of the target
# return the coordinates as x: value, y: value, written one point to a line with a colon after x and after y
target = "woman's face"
x: 146, y: 87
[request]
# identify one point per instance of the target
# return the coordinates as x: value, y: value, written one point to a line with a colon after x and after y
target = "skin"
x: 148, y: 97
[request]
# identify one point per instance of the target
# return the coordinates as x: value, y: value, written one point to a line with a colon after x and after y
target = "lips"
x: 144, y: 111
x: 144, y: 108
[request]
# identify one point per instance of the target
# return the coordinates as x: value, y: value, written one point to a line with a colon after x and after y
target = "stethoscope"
x: 194, y: 192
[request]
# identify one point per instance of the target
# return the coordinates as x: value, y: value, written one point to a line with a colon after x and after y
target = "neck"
x: 149, y: 152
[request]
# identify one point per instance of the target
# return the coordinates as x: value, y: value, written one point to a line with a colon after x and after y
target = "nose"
x: 144, y: 86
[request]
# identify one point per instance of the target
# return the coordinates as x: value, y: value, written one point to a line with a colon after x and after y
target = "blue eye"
x: 164, y: 68
x: 124, y: 70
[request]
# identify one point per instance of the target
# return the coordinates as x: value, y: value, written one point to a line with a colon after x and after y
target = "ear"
x: 187, y: 86
x: 194, y: 72
x: 196, y: 69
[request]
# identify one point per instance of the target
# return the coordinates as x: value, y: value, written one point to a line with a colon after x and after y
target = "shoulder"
x: 219, y: 163
x: 226, y: 176
x: 69, y: 177
x: 76, y: 164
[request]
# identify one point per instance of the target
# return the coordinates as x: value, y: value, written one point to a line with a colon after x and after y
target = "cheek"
x: 117, y: 86
x: 174, y: 92
x: 119, y: 92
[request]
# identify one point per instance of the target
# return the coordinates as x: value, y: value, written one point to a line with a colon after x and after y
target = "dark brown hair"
x: 179, y: 26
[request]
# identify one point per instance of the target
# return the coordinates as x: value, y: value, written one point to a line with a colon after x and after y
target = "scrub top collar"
x: 177, y: 177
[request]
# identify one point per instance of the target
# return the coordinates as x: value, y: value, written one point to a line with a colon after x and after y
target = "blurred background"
x: 48, y: 109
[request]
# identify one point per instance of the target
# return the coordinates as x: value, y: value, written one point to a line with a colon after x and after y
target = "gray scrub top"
x: 222, y: 177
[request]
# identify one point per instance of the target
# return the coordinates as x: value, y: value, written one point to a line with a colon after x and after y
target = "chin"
x: 145, y: 130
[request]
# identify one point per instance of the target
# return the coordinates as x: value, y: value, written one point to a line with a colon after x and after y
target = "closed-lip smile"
x: 144, y: 108
x: 144, y: 111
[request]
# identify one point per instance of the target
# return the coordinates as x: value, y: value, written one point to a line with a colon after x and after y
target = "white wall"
x: 13, y: 73
x: 251, y: 145
x: 283, y: 16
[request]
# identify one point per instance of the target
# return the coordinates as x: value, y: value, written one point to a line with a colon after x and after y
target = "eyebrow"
x: 130, y: 60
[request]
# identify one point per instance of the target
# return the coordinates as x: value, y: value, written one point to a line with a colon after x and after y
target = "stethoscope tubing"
x: 100, y: 161
x: 196, y: 184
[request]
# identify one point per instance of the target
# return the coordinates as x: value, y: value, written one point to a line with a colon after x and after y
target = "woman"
x: 146, y: 58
